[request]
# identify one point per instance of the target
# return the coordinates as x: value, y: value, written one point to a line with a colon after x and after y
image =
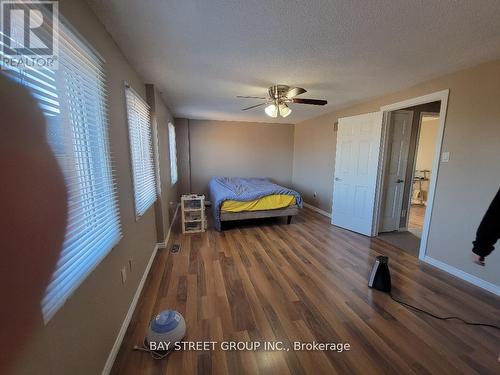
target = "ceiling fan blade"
x: 250, y: 97
x: 294, y: 91
x: 309, y: 101
x: 254, y: 106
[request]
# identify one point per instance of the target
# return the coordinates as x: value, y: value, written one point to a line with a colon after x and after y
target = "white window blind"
x: 173, y: 153
x: 141, y: 151
x: 73, y: 100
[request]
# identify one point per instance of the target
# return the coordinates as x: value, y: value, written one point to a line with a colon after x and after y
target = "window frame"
x: 172, y: 141
x: 138, y: 213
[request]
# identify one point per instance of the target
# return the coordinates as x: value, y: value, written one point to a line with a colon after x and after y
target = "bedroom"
x: 260, y: 280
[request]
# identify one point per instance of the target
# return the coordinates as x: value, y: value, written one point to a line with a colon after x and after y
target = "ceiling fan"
x: 280, y: 96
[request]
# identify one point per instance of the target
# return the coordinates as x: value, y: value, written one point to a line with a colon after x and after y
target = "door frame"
x: 441, y: 96
x: 422, y: 114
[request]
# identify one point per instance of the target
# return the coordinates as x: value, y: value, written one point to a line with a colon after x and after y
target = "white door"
x: 356, y: 167
x: 398, y: 144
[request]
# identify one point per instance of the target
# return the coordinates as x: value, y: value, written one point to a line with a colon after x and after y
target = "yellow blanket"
x: 269, y: 202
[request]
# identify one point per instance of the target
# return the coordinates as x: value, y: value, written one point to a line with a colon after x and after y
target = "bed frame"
x: 245, y: 215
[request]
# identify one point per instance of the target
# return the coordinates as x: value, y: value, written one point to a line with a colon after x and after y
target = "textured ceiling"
x: 202, y: 53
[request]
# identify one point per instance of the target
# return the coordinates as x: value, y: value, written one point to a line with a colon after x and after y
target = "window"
x: 141, y: 151
x: 73, y: 100
x: 173, y: 153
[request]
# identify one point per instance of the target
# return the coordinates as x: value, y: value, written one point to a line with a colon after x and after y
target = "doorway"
x: 411, y: 136
x: 422, y: 172
x: 361, y: 161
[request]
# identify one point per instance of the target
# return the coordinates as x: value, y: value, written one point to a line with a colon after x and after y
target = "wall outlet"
x: 124, y: 275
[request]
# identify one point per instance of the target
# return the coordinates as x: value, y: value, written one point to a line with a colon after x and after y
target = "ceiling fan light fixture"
x: 271, y: 110
x: 278, y: 98
x: 284, y: 110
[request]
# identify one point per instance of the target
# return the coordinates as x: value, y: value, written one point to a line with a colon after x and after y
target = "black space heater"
x: 380, y: 278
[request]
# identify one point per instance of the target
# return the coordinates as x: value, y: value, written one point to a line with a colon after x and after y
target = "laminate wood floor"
x: 308, y: 282
x: 416, y: 221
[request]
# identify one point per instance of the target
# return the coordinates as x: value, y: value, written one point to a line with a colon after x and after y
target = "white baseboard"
x: 123, y: 329
x: 318, y: 210
x: 463, y: 275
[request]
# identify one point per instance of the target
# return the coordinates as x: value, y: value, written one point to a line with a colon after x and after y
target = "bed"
x: 238, y: 198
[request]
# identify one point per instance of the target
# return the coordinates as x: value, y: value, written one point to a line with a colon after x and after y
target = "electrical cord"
x: 442, y: 317
x: 154, y: 354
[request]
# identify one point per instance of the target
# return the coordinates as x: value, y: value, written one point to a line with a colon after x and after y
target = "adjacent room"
x: 422, y: 172
x: 250, y: 187
x: 410, y: 147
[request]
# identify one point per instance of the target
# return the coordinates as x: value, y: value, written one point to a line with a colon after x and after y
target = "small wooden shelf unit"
x: 193, y: 213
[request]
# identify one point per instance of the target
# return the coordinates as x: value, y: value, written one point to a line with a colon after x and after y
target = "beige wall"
x: 426, y: 150
x: 466, y: 184
x: 314, y: 160
x: 247, y: 149
x: 78, y: 339
x: 169, y: 194
x: 183, y: 155
x: 427, y: 144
